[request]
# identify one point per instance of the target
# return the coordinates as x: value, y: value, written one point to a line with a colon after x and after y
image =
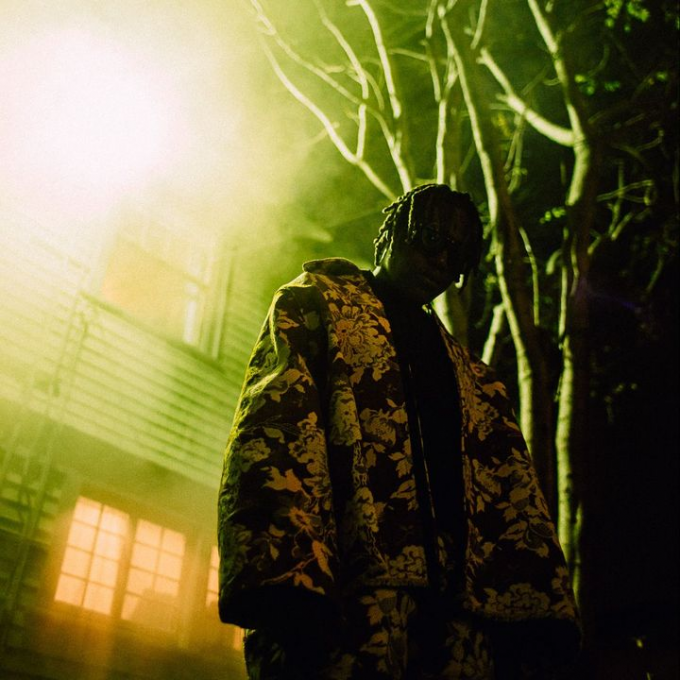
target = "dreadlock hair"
x: 411, y: 212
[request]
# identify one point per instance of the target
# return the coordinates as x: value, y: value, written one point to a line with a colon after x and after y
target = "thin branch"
x: 514, y: 162
x: 430, y: 51
x: 481, y: 20
x: 363, y: 78
x: 549, y: 38
x: 535, y: 281
x: 442, y: 88
x: 395, y: 144
x: 409, y: 53
x: 358, y: 70
x: 490, y: 351
x: 552, y: 42
x: 385, y: 63
x: 320, y: 73
x: 623, y: 192
x: 377, y: 92
x: 557, y: 133
x: 329, y: 126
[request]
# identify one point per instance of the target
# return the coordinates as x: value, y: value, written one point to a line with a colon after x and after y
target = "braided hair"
x: 415, y: 209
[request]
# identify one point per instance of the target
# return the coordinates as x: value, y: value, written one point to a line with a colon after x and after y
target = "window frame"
x: 213, y: 287
x: 75, y: 613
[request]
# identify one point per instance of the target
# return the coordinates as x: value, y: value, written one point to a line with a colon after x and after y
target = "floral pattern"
x: 318, y: 488
x: 389, y: 633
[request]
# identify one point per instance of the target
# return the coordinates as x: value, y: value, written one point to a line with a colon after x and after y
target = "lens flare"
x: 86, y: 119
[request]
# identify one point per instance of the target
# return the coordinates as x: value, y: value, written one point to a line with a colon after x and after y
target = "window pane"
x: 213, y: 584
x: 82, y: 536
x: 70, y: 590
x: 148, y: 533
x: 145, y: 557
x: 173, y: 542
x: 98, y: 598
x: 76, y: 562
x: 139, y: 581
x: 109, y: 545
x: 104, y: 571
x: 169, y: 565
x: 87, y: 511
x: 114, y: 521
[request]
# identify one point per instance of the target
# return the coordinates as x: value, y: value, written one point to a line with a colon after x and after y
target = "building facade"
x: 120, y: 365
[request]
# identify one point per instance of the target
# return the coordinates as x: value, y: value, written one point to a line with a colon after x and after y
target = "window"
x: 233, y: 634
x: 161, y: 276
x: 119, y: 566
x: 213, y: 585
x: 89, y: 571
x: 153, y: 580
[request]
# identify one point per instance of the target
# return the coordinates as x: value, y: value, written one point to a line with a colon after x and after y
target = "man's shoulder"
x: 331, y: 266
x: 327, y: 279
x: 332, y: 272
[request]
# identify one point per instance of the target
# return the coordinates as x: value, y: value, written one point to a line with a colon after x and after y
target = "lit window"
x: 233, y: 633
x: 101, y: 556
x: 238, y: 637
x: 151, y: 593
x: 161, y: 276
x: 89, y: 570
x: 213, y: 587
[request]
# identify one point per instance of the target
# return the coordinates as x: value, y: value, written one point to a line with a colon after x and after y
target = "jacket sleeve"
x: 276, y: 528
x: 516, y: 571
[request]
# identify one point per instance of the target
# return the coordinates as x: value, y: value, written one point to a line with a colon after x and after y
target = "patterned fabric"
x: 318, y: 489
x: 390, y: 634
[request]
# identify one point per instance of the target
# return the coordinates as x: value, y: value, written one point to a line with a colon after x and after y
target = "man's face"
x: 424, y: 269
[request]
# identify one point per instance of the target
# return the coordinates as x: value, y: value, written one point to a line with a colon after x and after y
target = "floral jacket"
x: 318, y: 489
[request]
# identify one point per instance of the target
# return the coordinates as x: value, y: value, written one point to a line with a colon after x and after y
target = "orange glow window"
x: 234, y: 633
x: 89, y: 570
x: 151, y: 593
x: 211, y: 595
x: 160, y: 275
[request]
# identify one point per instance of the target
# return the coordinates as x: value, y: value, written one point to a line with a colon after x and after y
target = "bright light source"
x: 86, y: 120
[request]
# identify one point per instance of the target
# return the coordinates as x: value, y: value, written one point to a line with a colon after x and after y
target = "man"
x: 379, y: 516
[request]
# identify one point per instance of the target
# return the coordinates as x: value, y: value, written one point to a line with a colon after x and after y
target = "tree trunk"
x: 511, y: 260
x: 572, y: 422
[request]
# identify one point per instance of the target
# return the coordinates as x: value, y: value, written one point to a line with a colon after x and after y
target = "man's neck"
x: 391, y: 295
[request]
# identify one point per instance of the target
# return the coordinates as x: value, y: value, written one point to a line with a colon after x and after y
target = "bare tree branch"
x: 321, y: 73
x: 417, y: 56
x: 395, y: 144
x: 330, y: 128
x: 383, y: 55
x: 557, y: 133
x: 535, y: 279
x: 481, y: 19
x: 443, y: 87
x: 430, y: 51
x: 620, y: 195
x: 359, y: 71
x: 490, y: 351
x: 361, y: 76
